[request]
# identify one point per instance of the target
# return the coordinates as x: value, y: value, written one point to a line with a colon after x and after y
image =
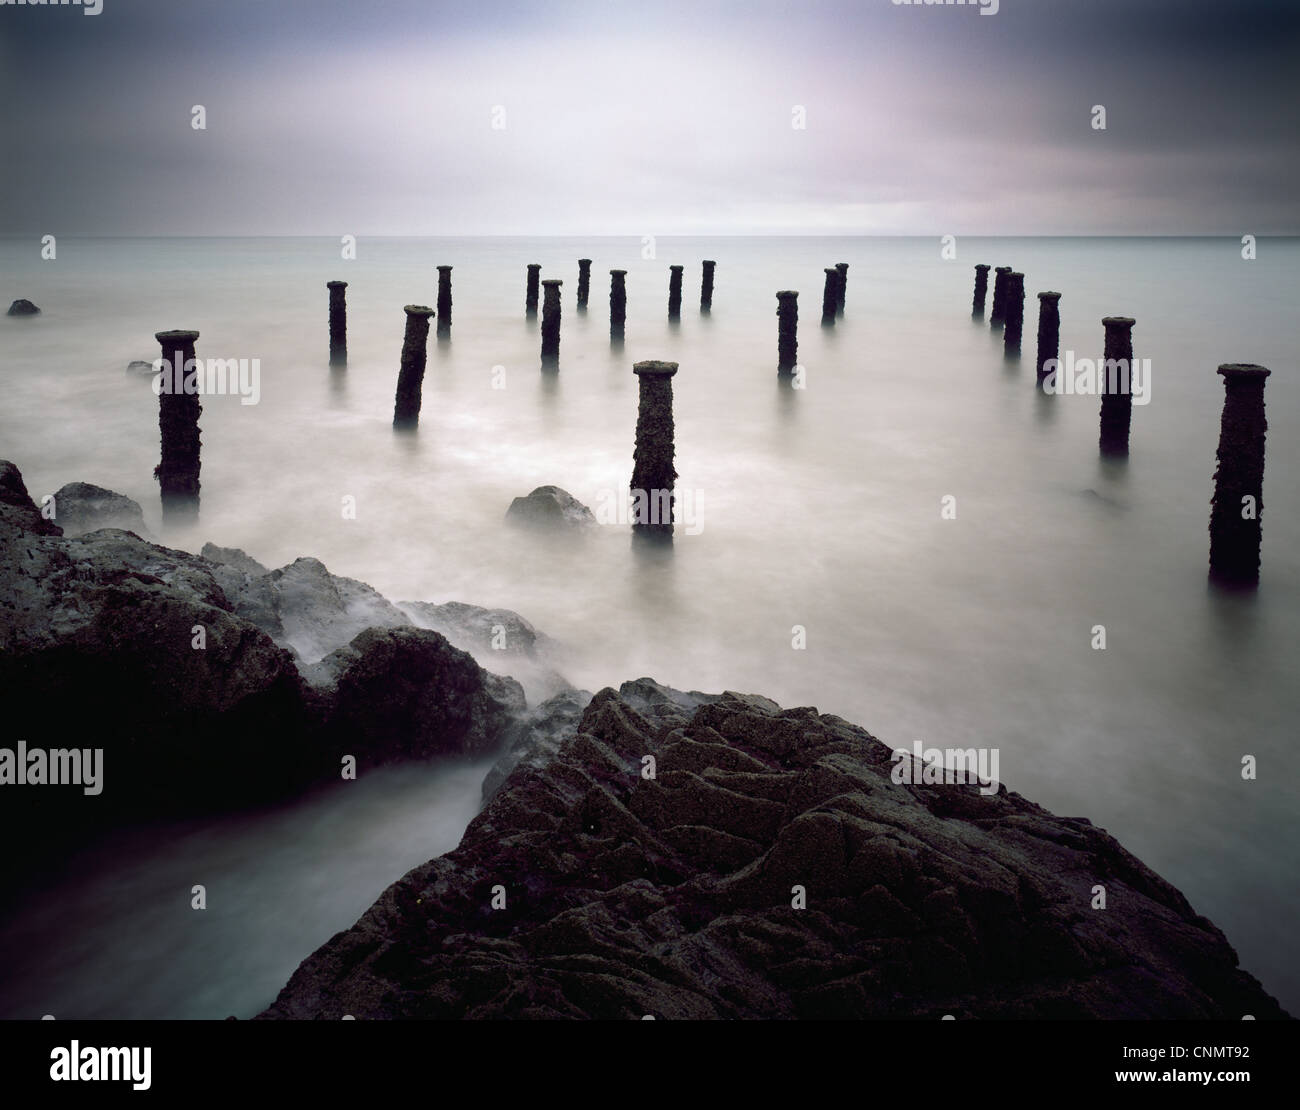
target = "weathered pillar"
x: 706, y: 286
x: 530, y: 299
x: 178, y: 421
x: 674, y: 292
x: 1114, y: 380
x: 1013, y: 308
x: 551, y: 319
x: 444, y: 300
x: 617, y: 302
x: 830, y: 295
x: 999, y: 293
x: 787, y: 327
x: 843, y: 280
x: 1238, y: 504
x: 981, y: 289
x: 338, y: 323
x: 653, y: 476
x: 1049, y: 332
x: 584, y: 281
x: 410, y: 379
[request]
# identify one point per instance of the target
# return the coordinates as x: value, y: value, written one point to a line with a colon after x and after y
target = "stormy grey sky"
x: 375, y: 118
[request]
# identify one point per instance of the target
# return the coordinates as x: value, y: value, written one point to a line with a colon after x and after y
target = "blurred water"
x: 820, y: 507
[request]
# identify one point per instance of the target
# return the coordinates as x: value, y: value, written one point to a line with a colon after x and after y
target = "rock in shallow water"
x: 22, y: 307
x: 550, y: 509
x: 676, y: 896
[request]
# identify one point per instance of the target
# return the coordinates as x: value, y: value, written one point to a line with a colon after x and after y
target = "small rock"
x: 80, y: 507
x: 139, y: 366
x: 550, y: 508
x: 23, y: 308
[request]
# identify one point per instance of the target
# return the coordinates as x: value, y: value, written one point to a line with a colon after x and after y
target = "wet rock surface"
x: 676, y: 895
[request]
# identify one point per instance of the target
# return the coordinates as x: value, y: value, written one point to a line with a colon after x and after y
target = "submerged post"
x: 444, y: 300
x: 584, y: 281
x: 1115, y: 381
x: 617, y: 302
x: 653, y: 476
x: 1013, y: 307
x: 410, y: 378
x: 338, y: 323
x: 787, y: 327
x: 981, y: 289
x: 551, y: 320
x: 706, y: 286
x: 1237, y: 505
x: 830, y: 295
x: 178, y: 422
x: 999, y: 294
x: 843, y: 282
x: 1049, y: 332
x: 530, y: 298
x: 674, y: 292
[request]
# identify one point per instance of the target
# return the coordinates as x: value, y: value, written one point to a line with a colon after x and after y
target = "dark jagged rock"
x: 550, y: 508
x: 410, y: 378
x: 178, y: 422
x: 338, y: 322
x: 1236, y: 522
x: 1116, y: 394
x: 653, y: 474
x: 787, y: 331
x: 672, y: 896
x: 80, y: 507
x: 981, y: 289
x: 377, y: 690
x: 1049, y: 332
x: 23, y: 307
x: 170, y: 663
x: 18, y: 512
x: 534, y: 739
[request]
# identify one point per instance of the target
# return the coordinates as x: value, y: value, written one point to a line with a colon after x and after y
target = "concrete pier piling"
x: 653, y: 476
x: 179, y: 410
x: 1238, y: 504
x: 842, y: 287
x: 410, y: 378
x: 1114, y: 380
x: 551, y: 320
x: 706, y: 285
x: 530, y: 297
x: 617, y: 303
x: 830, y: 295
x: 999, y: 295
x: 787, y: 331
x: 1013, y: 309
x: 981, y: 289
x: 584, y: 281
x: 674, y: 292
x: 338, y: 322
x: 444, y: 301
x: 1049, y: 332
